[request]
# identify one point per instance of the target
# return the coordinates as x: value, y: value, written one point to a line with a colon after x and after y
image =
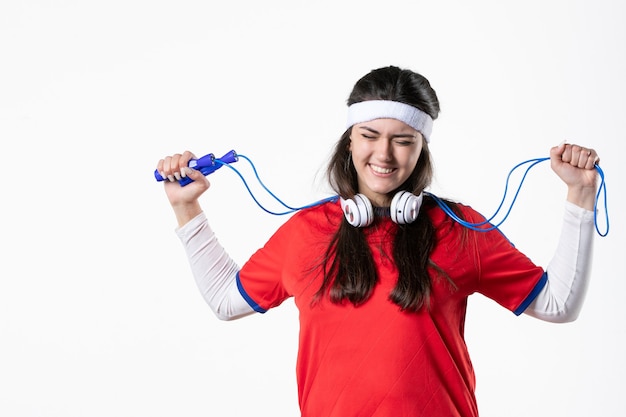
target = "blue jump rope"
x: 209, y: 164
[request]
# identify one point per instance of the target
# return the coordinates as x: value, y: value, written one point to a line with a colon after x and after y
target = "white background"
x: 99, y: 315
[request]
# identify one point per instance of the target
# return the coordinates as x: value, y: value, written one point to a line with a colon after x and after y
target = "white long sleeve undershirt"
x: 559, y: 301
x: 562, y: 298
x: 213, y: 269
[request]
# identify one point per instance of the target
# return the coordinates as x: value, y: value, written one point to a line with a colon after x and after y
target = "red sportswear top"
x: 375, y: 360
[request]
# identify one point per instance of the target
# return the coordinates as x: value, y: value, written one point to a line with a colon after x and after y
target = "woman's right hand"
x: 184, y: 200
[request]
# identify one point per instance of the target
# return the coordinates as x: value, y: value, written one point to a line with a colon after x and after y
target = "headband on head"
x: 366, y: 111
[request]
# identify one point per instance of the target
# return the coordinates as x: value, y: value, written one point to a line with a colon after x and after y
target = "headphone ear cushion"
x: 405, y: 207
x: 358, y: 211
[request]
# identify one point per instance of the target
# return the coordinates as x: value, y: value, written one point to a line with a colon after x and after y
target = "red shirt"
x: 375, y: 360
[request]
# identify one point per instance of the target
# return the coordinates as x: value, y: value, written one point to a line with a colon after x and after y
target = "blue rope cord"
x: 256, y: 174
x: 483, y: 226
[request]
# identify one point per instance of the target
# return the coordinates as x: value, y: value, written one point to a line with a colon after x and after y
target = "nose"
x: 383, y: 149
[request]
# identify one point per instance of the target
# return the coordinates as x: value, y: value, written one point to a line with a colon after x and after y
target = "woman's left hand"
x: 575, y: 165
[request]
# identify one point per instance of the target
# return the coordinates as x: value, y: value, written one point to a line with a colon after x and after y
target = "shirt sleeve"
x: 505, y: 274
x: 260, y: 280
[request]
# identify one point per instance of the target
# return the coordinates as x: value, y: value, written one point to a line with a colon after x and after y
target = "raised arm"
x: 568, y: 272
x: 213, y: 269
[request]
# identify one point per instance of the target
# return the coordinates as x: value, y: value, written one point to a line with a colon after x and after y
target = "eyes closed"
x: 402, y: 138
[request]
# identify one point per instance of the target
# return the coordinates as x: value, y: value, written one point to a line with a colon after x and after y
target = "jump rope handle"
x: 207, y: 164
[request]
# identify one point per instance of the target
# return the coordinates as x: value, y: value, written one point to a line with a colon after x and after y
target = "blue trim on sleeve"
x: 248, y: 299
x: 533, y: 294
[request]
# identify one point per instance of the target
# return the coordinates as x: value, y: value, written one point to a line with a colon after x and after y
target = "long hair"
x: 349, y: 272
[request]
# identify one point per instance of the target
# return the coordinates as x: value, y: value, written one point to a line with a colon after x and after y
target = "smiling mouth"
x: 381, y: 170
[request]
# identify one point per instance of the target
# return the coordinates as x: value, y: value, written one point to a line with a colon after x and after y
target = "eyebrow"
x: 399, y: 135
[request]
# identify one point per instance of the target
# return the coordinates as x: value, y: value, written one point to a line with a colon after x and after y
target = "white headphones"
x: 404, y: 209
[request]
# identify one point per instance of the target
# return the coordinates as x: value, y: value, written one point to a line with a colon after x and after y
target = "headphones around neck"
x: 404, y: 209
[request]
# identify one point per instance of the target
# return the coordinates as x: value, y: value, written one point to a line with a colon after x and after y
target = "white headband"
x: 366, y: 111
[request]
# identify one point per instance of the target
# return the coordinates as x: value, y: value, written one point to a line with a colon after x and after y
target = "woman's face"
x: 385, y: 153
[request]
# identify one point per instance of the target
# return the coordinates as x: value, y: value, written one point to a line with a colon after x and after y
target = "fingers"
x: 578, y: 156
x: 174, y: 167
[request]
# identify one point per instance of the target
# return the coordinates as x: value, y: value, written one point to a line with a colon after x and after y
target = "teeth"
x: 381, y: 170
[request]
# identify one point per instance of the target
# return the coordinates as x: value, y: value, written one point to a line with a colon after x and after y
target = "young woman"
x: 381, y: 276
